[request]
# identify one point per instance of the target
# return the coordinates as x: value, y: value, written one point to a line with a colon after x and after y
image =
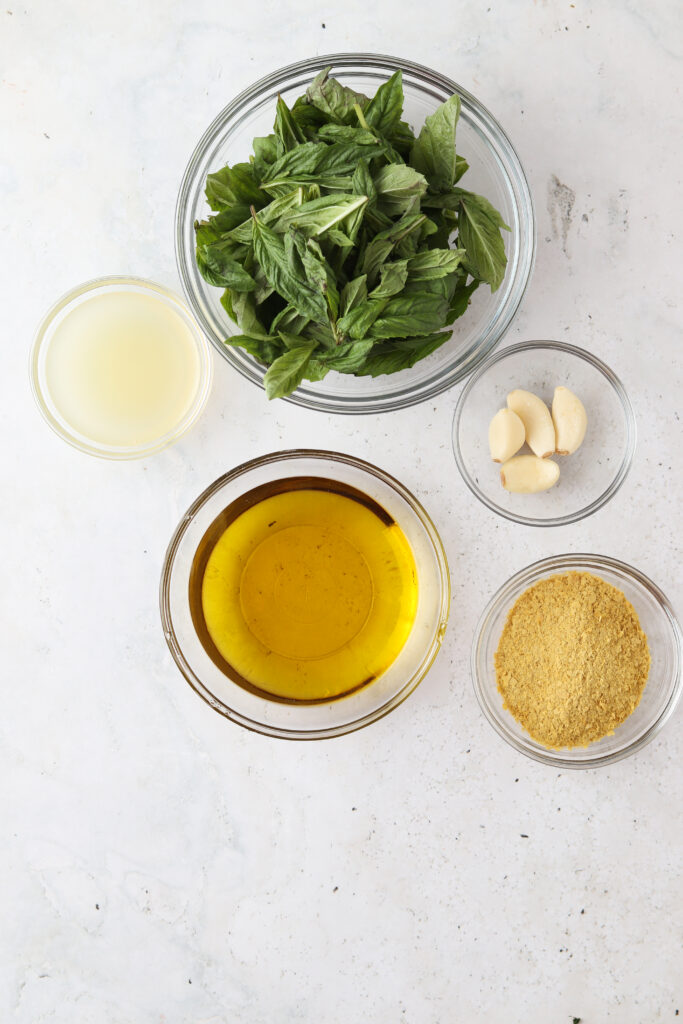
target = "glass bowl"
x: 359, y: 708
x: 41, y: 347
x: 662, y: 689
x: 495, y: 171
x: 589, y: 477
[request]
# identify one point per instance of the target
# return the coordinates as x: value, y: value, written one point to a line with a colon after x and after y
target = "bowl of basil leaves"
x: 354, y: 233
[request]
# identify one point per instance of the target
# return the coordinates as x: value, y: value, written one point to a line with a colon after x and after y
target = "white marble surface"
x: 159, y: 865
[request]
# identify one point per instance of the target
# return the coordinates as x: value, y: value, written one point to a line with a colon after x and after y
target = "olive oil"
x: 304, y: 590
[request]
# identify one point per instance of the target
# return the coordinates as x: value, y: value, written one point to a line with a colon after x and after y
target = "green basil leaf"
x: 358, y: 322
x: 461, y: 166
x: 432, y: 263
x: 319, y: 215
x: 353, y: 293
x: 290, y: 320
x: 384, y: 110
x: 265, y: 154
x: 264, y: 350
x: 335, y: 100
x: 288, y: 370
x: 405, y: 316
x: 269, y: 250
x: 362, y: 182
x: 461, y: 299
x: 393, y: 277
x: 225, y: 271
x: 232, y: 185
x: 479, y: 232
x: 288, y: 133
x: 347, y: 358
x: 347, y: 134
x: 434, y: 151
x: 392, y: 356
x: 245, y: 315
x: 398, y: 188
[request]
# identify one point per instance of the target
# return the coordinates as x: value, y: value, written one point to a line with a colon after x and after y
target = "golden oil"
x: 303, y: 590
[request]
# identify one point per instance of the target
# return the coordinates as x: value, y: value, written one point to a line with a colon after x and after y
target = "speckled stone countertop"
x: 157, y: 864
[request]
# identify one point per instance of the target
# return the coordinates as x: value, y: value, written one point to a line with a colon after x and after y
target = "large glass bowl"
x: 495, y: 171
x: 359, y: 708
x: 662, y: 690
x: 591, y: 476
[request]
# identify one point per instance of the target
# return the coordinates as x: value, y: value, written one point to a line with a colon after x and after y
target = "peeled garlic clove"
x: 506, y: 435
x: 528, y: 474
x: 569, y: 417
x: 538, y: 425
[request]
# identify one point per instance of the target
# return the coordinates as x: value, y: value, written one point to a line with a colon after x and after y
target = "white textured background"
x: 159, y: 865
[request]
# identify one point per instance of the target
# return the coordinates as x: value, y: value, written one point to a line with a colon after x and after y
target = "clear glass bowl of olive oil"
x: 305, y: 594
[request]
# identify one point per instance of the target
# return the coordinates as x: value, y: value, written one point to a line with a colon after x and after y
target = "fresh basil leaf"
x: 268, y: 215
x: 315, y: 267
x: 288, y: 370
x: 342, y: 157
x: 290, y: 320
x: 461, y: 166
x: 288, y: 133
x: 393, y: 277
x: 319, y: 215
x: 358, y: 322
x: 265, y: 154
x: 347, y: 134
x: 293, y: 163
x: 416, y: 314
x: 432, y: 263
x: 245, y: 315
x: 347, y: 358
x: 400, y: 354
x: 328, y: 182
x: 323, y: 335
x: 232, y: 185
x: 353, y: 293
x: 434, y: 151
x: 269, y: 250
x: 399, y: 187
x: 479, y: 232
x: 335, y: 100
x: 461, y: 299
x: 338, y: 237
x: 362, y: 181
x: 308, y: 118
x: 384, y: 110
x: 264, y: 350
x: 224, y: 271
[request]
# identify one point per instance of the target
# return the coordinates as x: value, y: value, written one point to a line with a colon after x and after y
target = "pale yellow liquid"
x: 122, y: 368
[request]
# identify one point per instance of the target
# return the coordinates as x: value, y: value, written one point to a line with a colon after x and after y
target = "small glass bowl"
x: 41, y: 345
x: 495, y: 172
x: 662, y: 689
x: 345, y: 714
x: 589, y: 477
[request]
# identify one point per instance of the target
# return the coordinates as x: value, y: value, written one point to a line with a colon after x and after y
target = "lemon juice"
x: 122, y: 368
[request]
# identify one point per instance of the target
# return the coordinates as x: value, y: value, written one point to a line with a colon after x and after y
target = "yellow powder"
x: 572, y: 661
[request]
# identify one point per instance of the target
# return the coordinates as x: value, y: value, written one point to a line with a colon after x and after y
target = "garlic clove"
x: 539, y: 429
x: 506, y: 435
x: 569, y: 417
x: 529, y: 474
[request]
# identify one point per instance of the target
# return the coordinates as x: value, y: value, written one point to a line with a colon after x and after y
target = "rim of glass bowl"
x: 62, y: 428
x: 408, y: 687
x: 631, y: 433
x: 501, y: 599
x: 524, y: 226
